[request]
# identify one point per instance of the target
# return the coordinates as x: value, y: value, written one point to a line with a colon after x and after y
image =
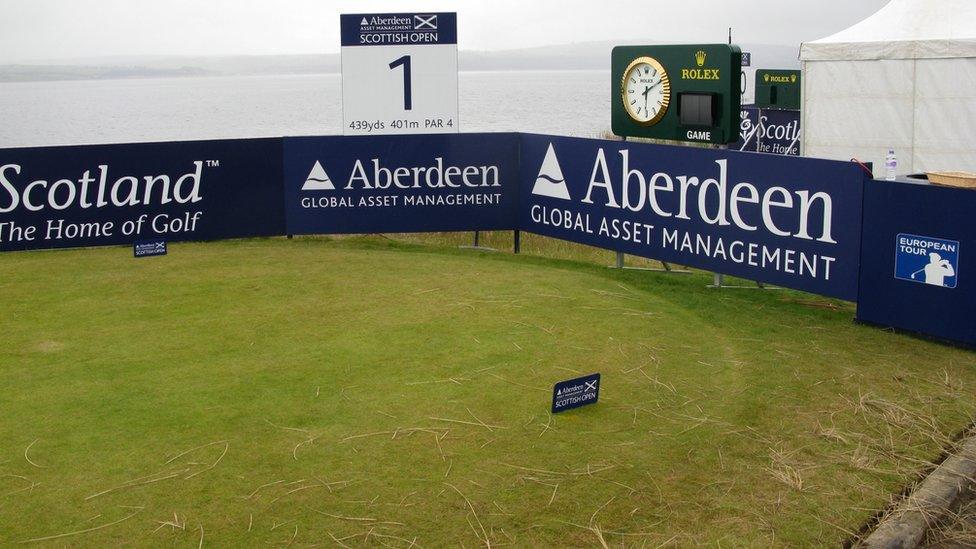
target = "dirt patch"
x: 49, y: 347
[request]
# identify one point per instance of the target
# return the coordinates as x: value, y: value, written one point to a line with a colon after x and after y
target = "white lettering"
x: 653, y: 187
x: 627, y: 174
x: 768, y: 203
x: 753, y: 198
x: 53, y: 194
x: 806, y: 201
x: 719, y: 186
x: 601, y: 164
x: 11, y: 190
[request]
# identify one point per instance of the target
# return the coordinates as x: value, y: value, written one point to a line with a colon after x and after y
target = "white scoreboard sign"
x: 399, y: 73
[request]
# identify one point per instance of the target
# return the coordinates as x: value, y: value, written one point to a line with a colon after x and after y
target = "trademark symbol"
x: 213, y: 163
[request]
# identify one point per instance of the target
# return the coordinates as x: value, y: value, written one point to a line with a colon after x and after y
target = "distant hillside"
x: 579, y: 56
x: 29, y: 73
x: 164, y: 66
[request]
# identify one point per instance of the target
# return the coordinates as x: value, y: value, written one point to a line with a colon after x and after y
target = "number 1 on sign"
x: 405, y: 63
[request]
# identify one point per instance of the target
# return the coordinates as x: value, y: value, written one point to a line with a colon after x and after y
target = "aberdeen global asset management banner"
x: 793, y: 222
x: 60, y: 197
x: 411, y: 183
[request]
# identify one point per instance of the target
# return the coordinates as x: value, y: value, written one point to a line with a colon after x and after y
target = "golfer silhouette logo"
x: 936, y: 271
x: 927, y: 260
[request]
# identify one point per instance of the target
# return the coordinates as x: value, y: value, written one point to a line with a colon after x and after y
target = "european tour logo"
x: 927, y: 260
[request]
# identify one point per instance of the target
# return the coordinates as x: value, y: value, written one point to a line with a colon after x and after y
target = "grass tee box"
x: 363, y: 392
x: 698, y: 98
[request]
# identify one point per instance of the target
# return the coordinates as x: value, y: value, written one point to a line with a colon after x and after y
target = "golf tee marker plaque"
x: 574, y: 393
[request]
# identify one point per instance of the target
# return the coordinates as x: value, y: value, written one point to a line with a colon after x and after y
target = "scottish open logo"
x: 550, y: 181
x: 927, y: 260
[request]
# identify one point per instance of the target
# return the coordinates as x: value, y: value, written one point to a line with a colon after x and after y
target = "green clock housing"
x: 778, y: 89
x: 678, y: 93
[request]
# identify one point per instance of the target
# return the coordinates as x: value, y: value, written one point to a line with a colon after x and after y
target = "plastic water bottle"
x: 891, y: 165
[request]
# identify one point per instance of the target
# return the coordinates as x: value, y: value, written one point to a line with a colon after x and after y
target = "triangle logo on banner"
x: 364, y: 22
x: 550, y: 181
x: 318, y: 180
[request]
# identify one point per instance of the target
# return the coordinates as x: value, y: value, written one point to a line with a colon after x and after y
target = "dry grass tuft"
x: 783, y: 471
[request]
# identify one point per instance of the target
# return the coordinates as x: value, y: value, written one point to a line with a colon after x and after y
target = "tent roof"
x: 903, y: 29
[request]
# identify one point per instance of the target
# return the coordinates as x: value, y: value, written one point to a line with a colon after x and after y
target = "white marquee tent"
x: 904, y: 78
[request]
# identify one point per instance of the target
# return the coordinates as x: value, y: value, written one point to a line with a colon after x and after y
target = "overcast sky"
x: 39, y: 30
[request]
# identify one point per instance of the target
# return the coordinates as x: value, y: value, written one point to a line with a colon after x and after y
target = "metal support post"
x: 477, y: 244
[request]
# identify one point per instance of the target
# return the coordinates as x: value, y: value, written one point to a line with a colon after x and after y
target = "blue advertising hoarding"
x: 793, y: 222
x: 779, y: 132
x: 748, y: 130
x: 61, y: 197
x: 916, y: 244
x: 401, y: 183
x: 774, y: 131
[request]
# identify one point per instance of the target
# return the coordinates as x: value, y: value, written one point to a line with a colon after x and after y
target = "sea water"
x: 575, y: 103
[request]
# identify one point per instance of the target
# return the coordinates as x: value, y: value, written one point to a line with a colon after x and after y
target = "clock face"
x: 645, y: 91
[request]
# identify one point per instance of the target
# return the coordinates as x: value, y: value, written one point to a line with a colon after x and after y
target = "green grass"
x: 275, y: 391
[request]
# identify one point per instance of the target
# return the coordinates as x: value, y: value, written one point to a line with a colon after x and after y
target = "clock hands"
x: 647, y: 73
x: 647, y: 90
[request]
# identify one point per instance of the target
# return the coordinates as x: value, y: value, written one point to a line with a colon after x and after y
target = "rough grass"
x: 362, y: 391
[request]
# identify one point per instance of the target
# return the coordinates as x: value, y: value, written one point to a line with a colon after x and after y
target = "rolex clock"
x: 645, y: 91
x: 676, y: 93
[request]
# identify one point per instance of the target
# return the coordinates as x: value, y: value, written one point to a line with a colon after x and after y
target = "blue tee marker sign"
x: 574, y: 393
x: 148, y: 248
